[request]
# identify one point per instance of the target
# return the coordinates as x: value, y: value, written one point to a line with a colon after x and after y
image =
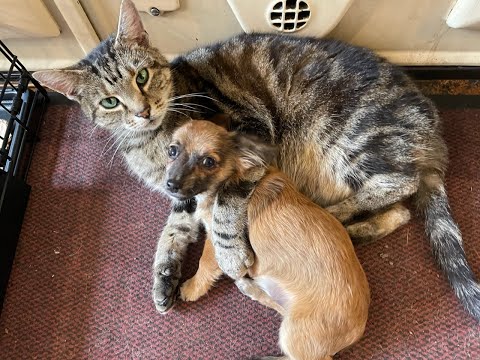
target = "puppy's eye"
x: 208, y: 162
x: 173, y: 151
x: 110, y: 102
x: 142, y: 77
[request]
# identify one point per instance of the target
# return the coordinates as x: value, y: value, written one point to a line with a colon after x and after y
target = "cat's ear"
x: 66, y: 82
x: 253, y: 152
x: 130, y: 27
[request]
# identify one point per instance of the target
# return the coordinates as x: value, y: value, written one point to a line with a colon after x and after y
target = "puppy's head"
x: 204, y: 155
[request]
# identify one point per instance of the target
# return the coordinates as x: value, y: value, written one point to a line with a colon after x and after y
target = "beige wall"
x: 406, y: 31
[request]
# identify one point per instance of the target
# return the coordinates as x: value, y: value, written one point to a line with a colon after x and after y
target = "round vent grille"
x: 288, y: 15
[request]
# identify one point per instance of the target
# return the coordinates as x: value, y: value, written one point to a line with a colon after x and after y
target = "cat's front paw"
x: 165, y: 285
x: 235, y: 262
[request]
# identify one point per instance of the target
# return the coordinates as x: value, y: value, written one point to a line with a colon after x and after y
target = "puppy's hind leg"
x: 208, y: 272
x: 249, y: 288
x: 301, y: 338
x: 286, y: 358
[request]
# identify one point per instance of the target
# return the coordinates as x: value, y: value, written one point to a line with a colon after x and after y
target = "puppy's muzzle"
x: 173, y: 186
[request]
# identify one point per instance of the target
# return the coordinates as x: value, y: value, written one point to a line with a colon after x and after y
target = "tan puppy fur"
x: 305, y: 266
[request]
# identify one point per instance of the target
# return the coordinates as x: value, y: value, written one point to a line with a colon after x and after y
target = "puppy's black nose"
x: 145, y: 113
x: 173, y: 186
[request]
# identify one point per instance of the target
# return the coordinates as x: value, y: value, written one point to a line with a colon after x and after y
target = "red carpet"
x: 80, y: 285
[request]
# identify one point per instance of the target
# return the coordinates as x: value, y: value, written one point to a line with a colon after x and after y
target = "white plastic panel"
x: 465, y: 15
x: 254, y: 15
x: 410, y: 32
x: 162, y: 5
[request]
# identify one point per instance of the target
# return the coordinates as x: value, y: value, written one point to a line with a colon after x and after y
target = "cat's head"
x: 123, y: 84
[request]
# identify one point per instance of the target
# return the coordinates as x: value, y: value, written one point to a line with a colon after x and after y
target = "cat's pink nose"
x: 145, y: 113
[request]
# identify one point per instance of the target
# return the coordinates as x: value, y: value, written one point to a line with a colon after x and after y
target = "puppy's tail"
x: 446, y: 241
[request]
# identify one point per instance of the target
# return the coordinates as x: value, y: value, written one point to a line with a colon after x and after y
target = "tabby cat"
x: 353, y: 133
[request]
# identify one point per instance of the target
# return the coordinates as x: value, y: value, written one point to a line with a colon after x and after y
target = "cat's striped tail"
x: 446, y: 242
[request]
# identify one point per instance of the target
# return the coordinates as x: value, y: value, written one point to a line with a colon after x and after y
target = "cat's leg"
x: 229, y: 226
x: 382, y: 195
x: 181, y: 229
x: 208, y: 272
x: 379, y: 192
x: 379, y: 224
x: 249, y: 288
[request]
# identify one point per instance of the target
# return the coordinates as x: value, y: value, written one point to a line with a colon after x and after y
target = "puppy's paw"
x: 192, y: 290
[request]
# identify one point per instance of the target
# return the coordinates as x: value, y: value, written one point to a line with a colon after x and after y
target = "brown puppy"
x: 305, y: 265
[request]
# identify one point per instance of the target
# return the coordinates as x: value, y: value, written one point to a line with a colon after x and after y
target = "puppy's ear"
x: 253, y: 152
x: 222, y: 120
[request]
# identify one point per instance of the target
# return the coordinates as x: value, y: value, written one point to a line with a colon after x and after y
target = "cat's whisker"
x: 111, y: 138
x: 117, y: 137
x: 118, y: 147
x: 93, y: 130
x: 123, y: 62
x: 192, y: 95
x: 140, y: 64
x: 187, y: 108
x: 192, y: 105
x: 178, y: 111
x: 186, y: 95
x: 200, y: 105
x: 200, y: 96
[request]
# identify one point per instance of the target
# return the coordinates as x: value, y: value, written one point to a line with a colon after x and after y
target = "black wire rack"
x: 22, y: 105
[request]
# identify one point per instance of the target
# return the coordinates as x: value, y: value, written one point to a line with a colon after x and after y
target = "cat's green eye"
x: 142, y: 77
x: 110, y: 102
